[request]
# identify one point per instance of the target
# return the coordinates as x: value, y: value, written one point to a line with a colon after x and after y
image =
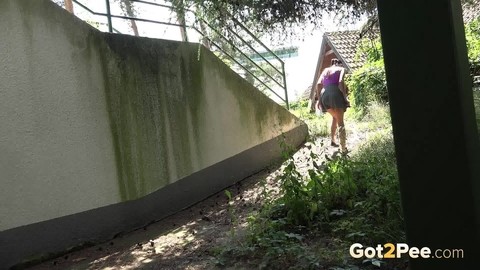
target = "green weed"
x: 318, y: 126
x: 342, y: 200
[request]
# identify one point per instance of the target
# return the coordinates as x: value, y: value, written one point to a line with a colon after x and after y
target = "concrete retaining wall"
x: 102, y: 133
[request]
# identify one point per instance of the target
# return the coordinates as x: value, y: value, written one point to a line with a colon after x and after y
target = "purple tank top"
x: 333, y: 78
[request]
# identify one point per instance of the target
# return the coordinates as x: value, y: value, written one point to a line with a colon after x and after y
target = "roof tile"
x: 345, y: 43
x: 471, y: 11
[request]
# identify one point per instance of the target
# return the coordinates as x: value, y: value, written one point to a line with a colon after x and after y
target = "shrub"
x: 472, y: 35
x: 368, y: 84
x: 346, y: 198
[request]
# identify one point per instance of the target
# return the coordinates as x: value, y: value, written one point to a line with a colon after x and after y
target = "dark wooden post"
x: 434, y: 127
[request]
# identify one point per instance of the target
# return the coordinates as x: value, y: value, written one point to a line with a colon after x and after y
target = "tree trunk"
x: 180, y: 11
x: 128, y: 10
x: 130, y: 13
x: 183, y: 29
x: 69, y: 5
x: 134, y: 27
x: 205, y: 40
x: 203, y: 28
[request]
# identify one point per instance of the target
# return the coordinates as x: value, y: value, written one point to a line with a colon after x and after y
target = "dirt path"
x: 187, y: 239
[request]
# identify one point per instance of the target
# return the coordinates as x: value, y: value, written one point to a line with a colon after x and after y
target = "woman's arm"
x: 342, y: 85
x: 325, y: 72
x: 318, y: 93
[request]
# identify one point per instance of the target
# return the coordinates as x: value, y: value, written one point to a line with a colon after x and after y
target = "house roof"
x: 471, y: 11
x: 345, y: 45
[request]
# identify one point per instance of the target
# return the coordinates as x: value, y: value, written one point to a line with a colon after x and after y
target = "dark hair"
x: 335, y: 61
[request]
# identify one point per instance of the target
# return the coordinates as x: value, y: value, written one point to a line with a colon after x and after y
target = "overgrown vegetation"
x: 316, y: 216
x: 368, y: 84
x: 472, y: 35
x: 316, y: 126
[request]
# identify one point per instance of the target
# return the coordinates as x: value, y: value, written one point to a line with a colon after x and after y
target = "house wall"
x: 103, y: 133
x: 327, y: 60
x: 323, y: 62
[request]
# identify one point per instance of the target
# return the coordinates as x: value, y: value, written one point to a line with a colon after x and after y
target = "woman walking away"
x: 333, y: 99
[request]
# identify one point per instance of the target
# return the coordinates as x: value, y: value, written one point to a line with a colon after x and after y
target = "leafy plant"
x: 375, y: 216
x: 368, y: 83
x: 472, y: 35
x: 341, y: 199
x: 231, y: 212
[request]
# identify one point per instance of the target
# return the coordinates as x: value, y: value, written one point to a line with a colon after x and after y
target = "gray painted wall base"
x: 23, y: 246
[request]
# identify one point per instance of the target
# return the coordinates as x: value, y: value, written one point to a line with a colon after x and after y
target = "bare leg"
x: 333, y: 127
x: 339, y: 116
x: 341, y: 129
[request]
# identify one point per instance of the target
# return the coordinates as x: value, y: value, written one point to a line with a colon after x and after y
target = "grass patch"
x: 318, y: 125
x: 376, y: 118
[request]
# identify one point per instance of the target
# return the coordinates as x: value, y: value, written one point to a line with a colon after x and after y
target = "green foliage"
x: 472, y: 35
x: 317, y: 125
x: 276, y: 247
x: 370, y: 49
x: 328, y: 185
x: 231, y: 212
x: 288, y: 15
x: 336, y: 186
x: 368, y: 83
x: 377, y: 117
x: 375, y: 216
x: 350, y: 198
x: 297, y: 201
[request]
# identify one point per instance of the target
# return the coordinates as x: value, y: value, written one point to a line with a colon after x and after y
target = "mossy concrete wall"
x: 90, y: 120
x: 176, y: 109
x: 57, y: 152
